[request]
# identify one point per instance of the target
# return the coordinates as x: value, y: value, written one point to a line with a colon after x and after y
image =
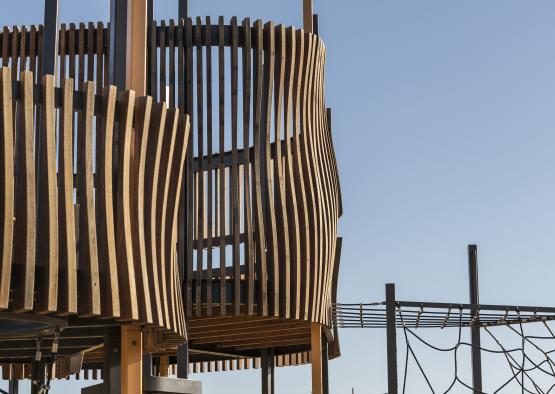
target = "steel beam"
x: 183, y: 9
x: 183, y: 361
x: 13, y: 386
x: 50, y: 34
x: 268, y: 366
x: 112, y: 360
x: 118, y: 43
x: 390, y: 306
x: 475, y: 329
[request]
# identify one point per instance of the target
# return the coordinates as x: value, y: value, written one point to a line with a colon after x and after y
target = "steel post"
x: 268, y: 365
x: 475, y: 328
x: 50, y: 40
x: 390, y: 305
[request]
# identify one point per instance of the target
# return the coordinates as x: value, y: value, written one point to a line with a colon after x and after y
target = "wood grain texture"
x: 7, y: 197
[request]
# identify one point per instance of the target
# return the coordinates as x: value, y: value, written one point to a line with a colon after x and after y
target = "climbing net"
x: 517, y: 344
x: 527, y: 356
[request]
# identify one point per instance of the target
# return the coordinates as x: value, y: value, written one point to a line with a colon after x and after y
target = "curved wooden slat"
x: 124, y: 248
x: 139, y: 148
x: 47, y: 208
x: 106, y: 228
x: 25, y: 197
x: 6, y: 185
x: 67, y: 239
x: 89, y: 277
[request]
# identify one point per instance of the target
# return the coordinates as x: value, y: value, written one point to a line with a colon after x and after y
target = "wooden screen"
x: 89, y: 187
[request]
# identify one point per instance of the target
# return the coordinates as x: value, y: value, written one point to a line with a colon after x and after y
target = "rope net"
x: 517, y: 356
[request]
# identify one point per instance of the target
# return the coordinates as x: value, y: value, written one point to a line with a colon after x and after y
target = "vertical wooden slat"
x: 62, y: 44
x: 105, y: 205
x: 293, y: 205
x: 90, y: 52
x: 25, y: 208
x: 234, y: 185
x: 282, y: 222
x: 71, y: 45
x: 152, y: 174
x: 5, y: 46
x: 221, y: 179
x: 163, y: 83
x: 168, y: 145
x: 139, y: 146
x: 33, y: 51
x: 6, y: 185
x: 199, y: 214
x: 258, y: 205
x: 249, y: 250
x: 153, y: 61
x: 67, y: 240
x: 81, y: 53
x: 210, y: 172
x: 23, y: 50
x: 47, y: 240
x: 189, y: 168
x: 88, y: 279
x: 171, y: 49
x: 124, y: 249
x: 99, y: 56
x: 15, y: 53
x: 304, y: 224
x: 268, y: 199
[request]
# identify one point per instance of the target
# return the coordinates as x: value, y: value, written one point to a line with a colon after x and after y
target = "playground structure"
x: 175, y: 198
x: 530, y: 366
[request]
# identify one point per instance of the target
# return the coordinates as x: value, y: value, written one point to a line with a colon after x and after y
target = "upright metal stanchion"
x: 112, y: 360
x: 325, y: 376
x: 390, y: 306
x: 315, y: 24
x: 147, y: 364
x: 118, y: 43
x: 50, y: 40
x: 183, y: 9
x: 268, y: 365
x: 13, y: 386
x: 183, y: 361
x: 475, y: 328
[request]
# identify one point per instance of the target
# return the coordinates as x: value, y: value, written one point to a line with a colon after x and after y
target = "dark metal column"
x: 147, y: 364
x: 183, y: 361
x: 315, y: 24
x: 392, y: 384
x: 475, y: 329
x: 183, y: 9
x: 325, y: 376
x: 112, y: 360
x: 149, y: 13
x: 268, y: 365
x: 50, y: 41
x: 118, y: 43
x: 13, y: 386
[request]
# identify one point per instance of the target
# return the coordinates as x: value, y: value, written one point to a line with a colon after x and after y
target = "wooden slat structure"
x: 263, y: 197
x: 88, y: 210
x: 248, y: 252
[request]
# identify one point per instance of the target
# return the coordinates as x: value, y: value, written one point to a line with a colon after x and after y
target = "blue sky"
x: 444, y: 127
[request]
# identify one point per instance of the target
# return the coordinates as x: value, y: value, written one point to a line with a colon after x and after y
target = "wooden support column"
x: 136, y: 46
x: 131, y: 359
x: 316, y: 354
x: 307, y: 15
x: 164, y: 366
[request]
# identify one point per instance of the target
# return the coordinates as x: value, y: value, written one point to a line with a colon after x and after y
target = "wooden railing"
x: 262, y: 210
x: 257, y: 231
x: 88, y: 202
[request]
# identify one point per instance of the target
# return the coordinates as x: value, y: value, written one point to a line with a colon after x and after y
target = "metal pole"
x: 147, y: 364
x: 13, y: 387
x: 325, y: 377
x: 50, y: 41
x: 390, y: 305
x: 118, y: 43
x: 475, y: 328
x: 183, y: 361
x: 183, y: 9
x: 315, y: 24
x: 267, y: 357
x: 112, y: 360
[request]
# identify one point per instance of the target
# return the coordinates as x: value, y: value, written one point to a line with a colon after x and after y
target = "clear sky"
x: 444, y: 128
